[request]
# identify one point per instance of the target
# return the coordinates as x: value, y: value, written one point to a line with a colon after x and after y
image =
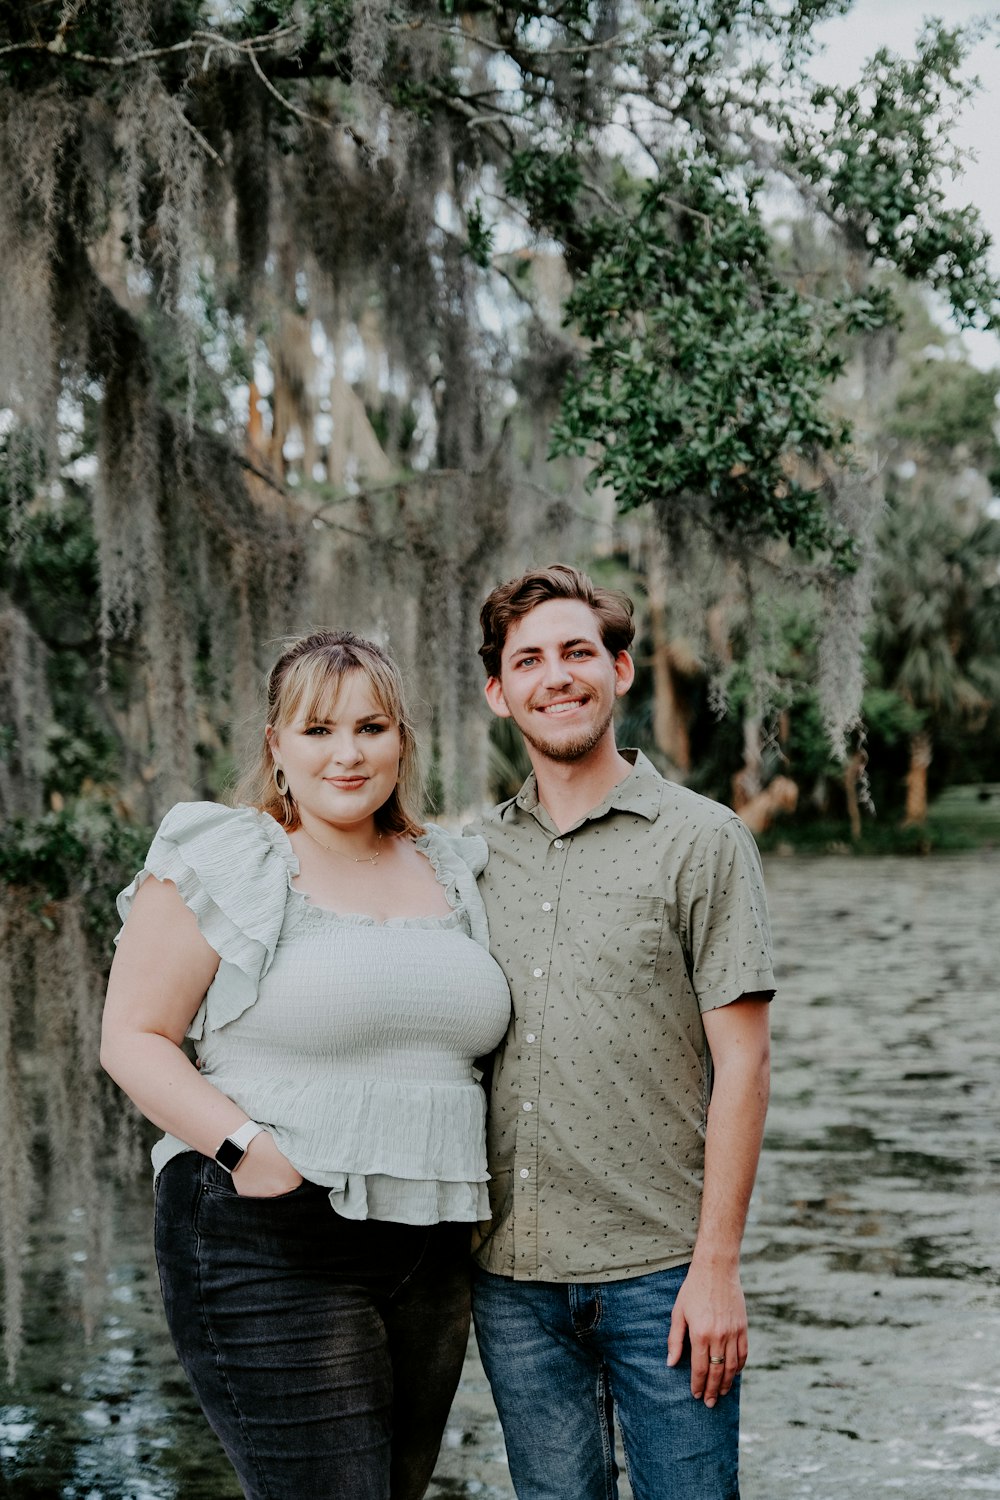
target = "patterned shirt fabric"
x: 615, y: 935
x: 352, y: 1040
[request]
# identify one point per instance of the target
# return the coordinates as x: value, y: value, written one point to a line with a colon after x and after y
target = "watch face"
x: 229, y: 1155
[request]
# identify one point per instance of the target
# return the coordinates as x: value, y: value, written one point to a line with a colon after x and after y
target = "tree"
x: 281, y: 168
x: 935, y: 624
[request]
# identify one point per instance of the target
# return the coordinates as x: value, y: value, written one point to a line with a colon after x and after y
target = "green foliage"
x: 972, y: 810
x: 879, y: 836
x: 86, y: 849
x: 937, y: 609
x: 883, y: 158
x: 943, y: 677
x: 508, y: 760
x: 549, y: 184
x: 327, y: 23
x: 48, y: 565
x: 867, y: 311
x: 946, y: 405
x: 479, y: 237
x: 81, y: 750
x: 394, y: 424
x: 890, y: 717
x: 805, y: 749
x: 702, y: 386
x: 98, y: 30
x: 704, y: 373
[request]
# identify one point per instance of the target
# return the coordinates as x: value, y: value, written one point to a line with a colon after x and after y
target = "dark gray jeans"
x: 325, y: 1352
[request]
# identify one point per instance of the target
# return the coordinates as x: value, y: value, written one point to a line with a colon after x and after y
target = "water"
x: 872, y: 1260
x: 872, y: 1257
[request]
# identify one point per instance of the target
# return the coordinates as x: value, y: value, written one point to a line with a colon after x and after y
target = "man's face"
x: 558, y: 681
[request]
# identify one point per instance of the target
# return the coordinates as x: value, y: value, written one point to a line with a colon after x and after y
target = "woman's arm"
x: 161, y: 971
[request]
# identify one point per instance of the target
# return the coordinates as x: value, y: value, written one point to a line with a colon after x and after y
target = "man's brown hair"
x: 511, y: 601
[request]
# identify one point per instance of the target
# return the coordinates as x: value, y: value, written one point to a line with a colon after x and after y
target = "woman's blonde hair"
x: 304, y: 683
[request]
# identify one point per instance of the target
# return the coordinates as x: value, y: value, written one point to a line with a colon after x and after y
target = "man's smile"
x: 561, y: 705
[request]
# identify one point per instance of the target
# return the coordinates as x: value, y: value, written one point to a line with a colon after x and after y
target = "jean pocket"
x: 217, y: 1182
x: 301, y: 1188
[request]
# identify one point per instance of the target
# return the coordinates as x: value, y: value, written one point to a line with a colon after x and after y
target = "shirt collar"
x: 639, y: 792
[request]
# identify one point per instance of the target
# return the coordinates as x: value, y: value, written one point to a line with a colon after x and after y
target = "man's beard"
x: 570, y: 750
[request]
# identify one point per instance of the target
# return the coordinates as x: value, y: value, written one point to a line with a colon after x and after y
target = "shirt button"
x: 529, y: 1036
x: 527, y: 1104
x: 557, y: 843
x: 525, y: 1172
x: 538, y: 973
x: 546, y: 906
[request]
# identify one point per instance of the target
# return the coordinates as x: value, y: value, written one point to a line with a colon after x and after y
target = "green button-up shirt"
x: 614, y: 936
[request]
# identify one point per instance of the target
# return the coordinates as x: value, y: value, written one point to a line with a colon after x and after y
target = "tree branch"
x: 71, y: 10
x: 276, y: 93
x: 509, y: 49
x: 205, y: 146
x: 206, y: 40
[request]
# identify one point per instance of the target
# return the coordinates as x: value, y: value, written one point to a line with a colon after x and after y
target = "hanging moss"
x: 15, y: 1159
x: 64, y: 1126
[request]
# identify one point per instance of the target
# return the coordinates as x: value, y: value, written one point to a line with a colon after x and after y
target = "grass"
x: 973, y: 810
x: 963, y: 817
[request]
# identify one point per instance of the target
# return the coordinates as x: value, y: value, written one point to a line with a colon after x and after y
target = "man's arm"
x: 710, y: 1310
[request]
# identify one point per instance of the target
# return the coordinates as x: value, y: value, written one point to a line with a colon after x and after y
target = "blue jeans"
x: 325, y: 1351
x: 561, y: 1359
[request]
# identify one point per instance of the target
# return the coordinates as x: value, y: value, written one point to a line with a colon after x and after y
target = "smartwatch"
x: 234, y: 1147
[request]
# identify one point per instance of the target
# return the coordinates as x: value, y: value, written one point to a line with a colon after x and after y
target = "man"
x: 628, y: 1097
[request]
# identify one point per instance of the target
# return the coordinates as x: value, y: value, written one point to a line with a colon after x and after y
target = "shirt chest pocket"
x: 615, y: 942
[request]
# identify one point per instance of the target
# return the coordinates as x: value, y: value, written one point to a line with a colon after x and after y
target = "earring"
x: 281, y: 781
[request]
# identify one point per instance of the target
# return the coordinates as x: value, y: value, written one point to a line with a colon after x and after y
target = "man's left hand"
x: 711, y: 1313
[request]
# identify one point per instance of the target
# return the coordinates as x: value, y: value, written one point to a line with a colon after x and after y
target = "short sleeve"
x: 232, y: 868
x: 458, y: 859
x: 727, y: 925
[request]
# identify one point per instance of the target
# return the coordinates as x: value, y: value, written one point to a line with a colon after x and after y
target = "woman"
x: 324, y: 1161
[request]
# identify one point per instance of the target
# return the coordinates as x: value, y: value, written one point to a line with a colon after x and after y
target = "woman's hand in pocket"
x: 264, y: 1172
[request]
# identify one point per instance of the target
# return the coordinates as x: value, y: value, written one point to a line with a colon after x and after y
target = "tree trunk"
x: 256, y: 438
x: 921, y: 754
x: 748, y: 781
x: 673, y: 664
x: 670, y: 729
x: 852, y: 772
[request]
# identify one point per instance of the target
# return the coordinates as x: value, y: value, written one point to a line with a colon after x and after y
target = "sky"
x: 872, y: 24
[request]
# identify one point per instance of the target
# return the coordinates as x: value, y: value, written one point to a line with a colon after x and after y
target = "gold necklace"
x: 362, y: 859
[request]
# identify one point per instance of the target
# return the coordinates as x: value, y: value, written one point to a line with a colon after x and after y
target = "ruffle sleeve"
x: 232, y: 868
x: 457, y: 859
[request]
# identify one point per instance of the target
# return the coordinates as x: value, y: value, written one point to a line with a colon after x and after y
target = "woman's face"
x: 340, y: 769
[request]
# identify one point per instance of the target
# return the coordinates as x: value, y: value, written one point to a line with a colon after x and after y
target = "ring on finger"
x: 716, y: 1359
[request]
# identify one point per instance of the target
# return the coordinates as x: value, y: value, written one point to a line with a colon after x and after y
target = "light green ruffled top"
x: 351, y: 1040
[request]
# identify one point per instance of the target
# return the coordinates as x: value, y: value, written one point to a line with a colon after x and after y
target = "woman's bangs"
x: 313, y: 687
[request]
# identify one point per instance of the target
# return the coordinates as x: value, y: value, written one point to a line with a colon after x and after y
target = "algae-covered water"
x: 872, y: 1257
